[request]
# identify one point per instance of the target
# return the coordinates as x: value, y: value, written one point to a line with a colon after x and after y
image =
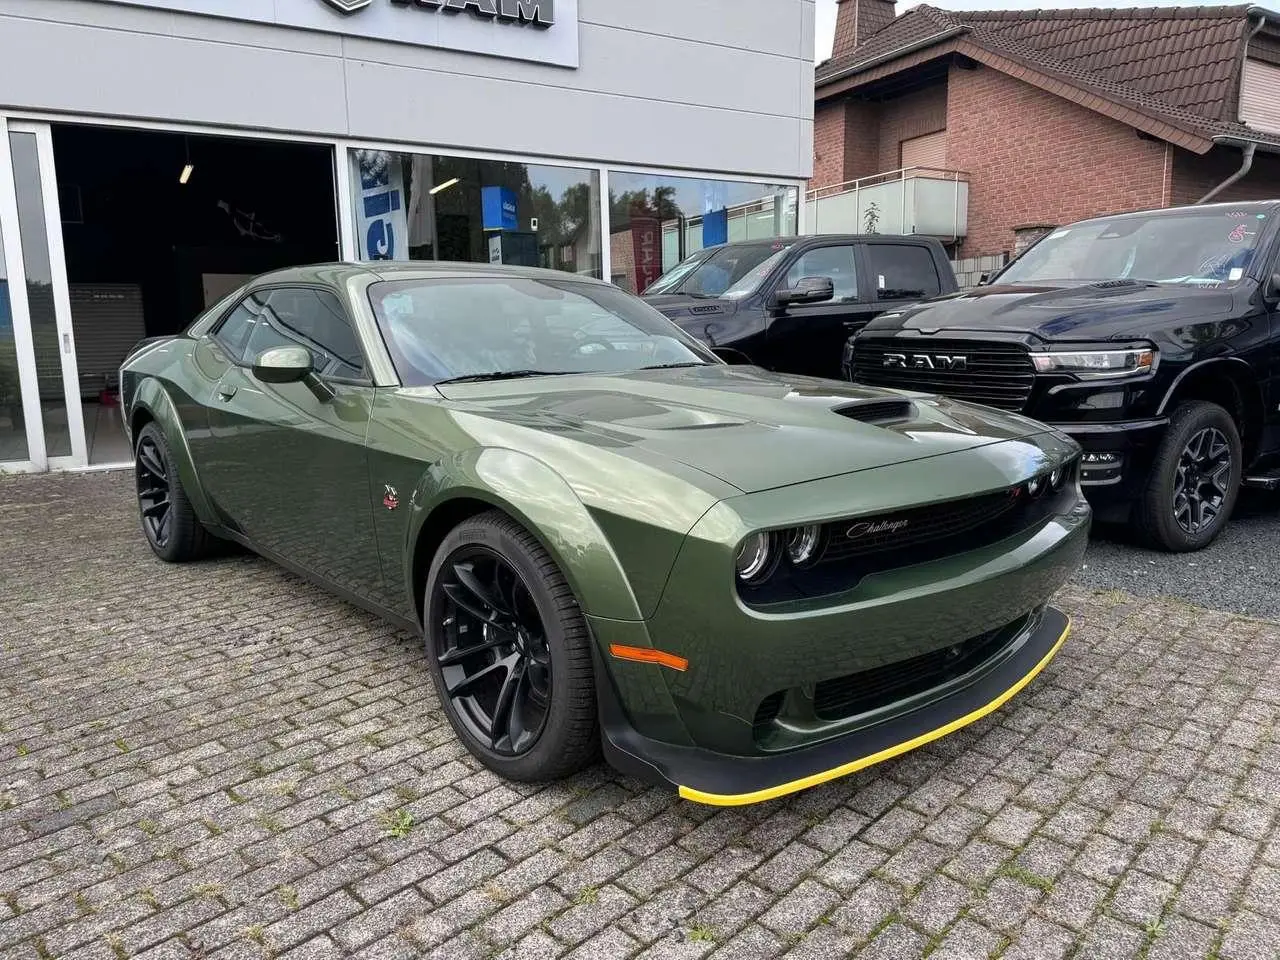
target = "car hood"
x: 1103, y: 311
x: 746, y: 427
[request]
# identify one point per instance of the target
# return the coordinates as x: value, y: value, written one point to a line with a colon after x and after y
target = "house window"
x: 929, y: 151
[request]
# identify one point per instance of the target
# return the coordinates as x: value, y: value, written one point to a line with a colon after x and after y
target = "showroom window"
x: 657, y: 221
x: 418, y: 206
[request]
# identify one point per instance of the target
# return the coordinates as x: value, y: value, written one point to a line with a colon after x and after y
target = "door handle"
x: 226, y: 393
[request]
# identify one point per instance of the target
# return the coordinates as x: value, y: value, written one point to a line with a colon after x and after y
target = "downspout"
x: 1246, y: 160
x: 1245, y: 165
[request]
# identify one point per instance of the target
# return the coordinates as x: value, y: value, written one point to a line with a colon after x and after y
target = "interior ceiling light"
x: 443, y: 186
x: 190, y: 167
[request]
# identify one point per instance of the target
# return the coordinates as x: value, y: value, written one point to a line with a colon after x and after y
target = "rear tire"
x: 500, y: 621
x: 169, y: 522
x: 1194, y: 480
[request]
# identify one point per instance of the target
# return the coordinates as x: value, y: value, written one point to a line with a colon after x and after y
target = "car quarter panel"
x: 613, y: 524
x: 163, y: 383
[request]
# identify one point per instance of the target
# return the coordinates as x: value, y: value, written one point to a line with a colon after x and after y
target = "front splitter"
x: 720, y: 780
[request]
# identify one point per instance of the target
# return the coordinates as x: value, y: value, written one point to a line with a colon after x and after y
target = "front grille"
x: 856, y: 547
x: 868, y: 690
x: 994, y: 374
x: 914, y: 528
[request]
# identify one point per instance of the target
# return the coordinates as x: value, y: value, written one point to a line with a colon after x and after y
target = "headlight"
x: 1096, y: 364
x: 755, y: 558
x: 1035, y: 486
x: 1056, y: 477
x: 802, y: 544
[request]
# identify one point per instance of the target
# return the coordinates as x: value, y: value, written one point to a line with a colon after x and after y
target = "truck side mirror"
x: 1271, y: 289
x: 984, y: 279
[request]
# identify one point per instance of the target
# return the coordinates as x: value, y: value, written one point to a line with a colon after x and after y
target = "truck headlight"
x: 1096, y: 364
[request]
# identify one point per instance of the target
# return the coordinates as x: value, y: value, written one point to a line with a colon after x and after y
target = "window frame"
x: 289, y: 333
x: 858, y: 277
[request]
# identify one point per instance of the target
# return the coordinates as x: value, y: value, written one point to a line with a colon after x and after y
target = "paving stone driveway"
x: 221, y: 761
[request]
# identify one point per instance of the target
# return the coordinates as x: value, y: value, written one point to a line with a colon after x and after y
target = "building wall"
x: 1034, y: 158
x: 918, y: 113
x: 733, y: 92
x: 828, y: 145
x: 1194, y: 176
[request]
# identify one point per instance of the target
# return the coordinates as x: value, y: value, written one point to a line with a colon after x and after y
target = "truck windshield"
x: 731, y: 271
x: 1206, y: 247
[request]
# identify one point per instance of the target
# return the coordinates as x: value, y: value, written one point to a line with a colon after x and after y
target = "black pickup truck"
x: 789, y: 303
x: 1152, y: 338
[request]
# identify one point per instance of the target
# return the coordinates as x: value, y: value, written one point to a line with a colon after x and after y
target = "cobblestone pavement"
x: 221, y: 761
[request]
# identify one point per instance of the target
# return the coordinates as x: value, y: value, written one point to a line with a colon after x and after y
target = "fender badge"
x: 390, y: 499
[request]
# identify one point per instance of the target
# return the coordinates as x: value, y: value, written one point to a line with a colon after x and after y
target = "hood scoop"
x: 877, y: 412
x: 1123, y: 284
x: 709, y: 308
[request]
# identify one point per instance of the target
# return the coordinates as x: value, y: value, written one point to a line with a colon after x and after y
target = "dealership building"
x: 158, y: 153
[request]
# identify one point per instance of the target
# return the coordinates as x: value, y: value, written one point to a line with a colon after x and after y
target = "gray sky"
x: 827, y: 12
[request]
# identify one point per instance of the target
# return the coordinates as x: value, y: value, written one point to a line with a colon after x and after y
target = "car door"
x: 808, y: 338
x: 286, y: 463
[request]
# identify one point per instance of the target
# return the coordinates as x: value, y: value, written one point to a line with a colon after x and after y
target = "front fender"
x: 152, y: 397
x: 539, y: 499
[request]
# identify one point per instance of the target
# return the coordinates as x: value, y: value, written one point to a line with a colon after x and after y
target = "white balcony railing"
x: 913, y: 200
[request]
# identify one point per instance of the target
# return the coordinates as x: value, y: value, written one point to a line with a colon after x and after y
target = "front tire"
x: 169, y: 522
x: 1194, y: 479
x: 510, y: 652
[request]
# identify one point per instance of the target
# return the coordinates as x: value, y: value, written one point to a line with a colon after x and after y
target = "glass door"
x: 38, y: 381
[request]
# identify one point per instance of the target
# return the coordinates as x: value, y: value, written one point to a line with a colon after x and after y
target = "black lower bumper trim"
x: 711, y: 778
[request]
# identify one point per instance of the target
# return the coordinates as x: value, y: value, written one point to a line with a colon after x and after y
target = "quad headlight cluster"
x: 1051, y: 482
x: 760, y: 554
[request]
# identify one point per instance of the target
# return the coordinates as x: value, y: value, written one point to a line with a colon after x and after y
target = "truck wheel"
x: 1194, y: 479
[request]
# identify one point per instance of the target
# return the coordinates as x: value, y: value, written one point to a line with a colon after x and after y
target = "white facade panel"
x: 731, y: 94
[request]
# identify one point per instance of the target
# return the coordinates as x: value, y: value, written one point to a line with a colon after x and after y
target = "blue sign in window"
x: 498, y: 205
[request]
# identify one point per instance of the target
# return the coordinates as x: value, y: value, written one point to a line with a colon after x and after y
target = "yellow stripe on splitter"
x: 853, y: 766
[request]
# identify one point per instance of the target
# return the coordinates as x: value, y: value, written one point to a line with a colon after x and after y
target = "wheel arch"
x: 1230, y: 383
x: 152, y: 404
x: 542, y: 502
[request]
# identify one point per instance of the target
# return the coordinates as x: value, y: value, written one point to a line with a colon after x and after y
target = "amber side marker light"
x: 649, y: 655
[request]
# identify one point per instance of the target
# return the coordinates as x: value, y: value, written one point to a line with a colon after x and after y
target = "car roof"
x: 341, y: 271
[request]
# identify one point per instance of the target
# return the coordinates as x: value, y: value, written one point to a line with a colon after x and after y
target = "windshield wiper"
x: 503, y: 375
x: 673, y: 366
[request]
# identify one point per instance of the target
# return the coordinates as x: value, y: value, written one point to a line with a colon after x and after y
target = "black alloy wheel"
x: 510, y: 652
x: 1194, y: 479
x: 1203, y: 480
x: 173, y: 531
x: 492, y: 650
x: 154, y: 502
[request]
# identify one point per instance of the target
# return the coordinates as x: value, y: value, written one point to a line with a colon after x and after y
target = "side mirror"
x: 807, y: 290
x: 1271, y: 290
x: 984, y: 279
x: 283, y: 365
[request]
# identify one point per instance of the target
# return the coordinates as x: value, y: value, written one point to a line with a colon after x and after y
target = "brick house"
x: 1009, y: 123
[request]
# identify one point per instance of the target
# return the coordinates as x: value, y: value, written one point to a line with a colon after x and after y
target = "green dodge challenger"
x: 734, y: 582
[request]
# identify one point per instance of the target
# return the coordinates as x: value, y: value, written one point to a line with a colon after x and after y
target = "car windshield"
x: 1207, y: 247
x: 487, y: 327
x: 732, y: 271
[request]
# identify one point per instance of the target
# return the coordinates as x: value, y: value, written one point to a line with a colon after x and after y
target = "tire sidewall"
x: 556, y: 731
x: 1187, y: 421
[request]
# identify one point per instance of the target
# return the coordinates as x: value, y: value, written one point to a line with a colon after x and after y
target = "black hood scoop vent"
x: 709, y: 308
x: 877, y: 411
x: 1124, y: 284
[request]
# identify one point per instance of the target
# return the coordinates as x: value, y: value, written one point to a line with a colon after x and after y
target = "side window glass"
x: 901, y: 271
x: 313, y: 319
x: 236, y: 329
x: 834, y: 262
